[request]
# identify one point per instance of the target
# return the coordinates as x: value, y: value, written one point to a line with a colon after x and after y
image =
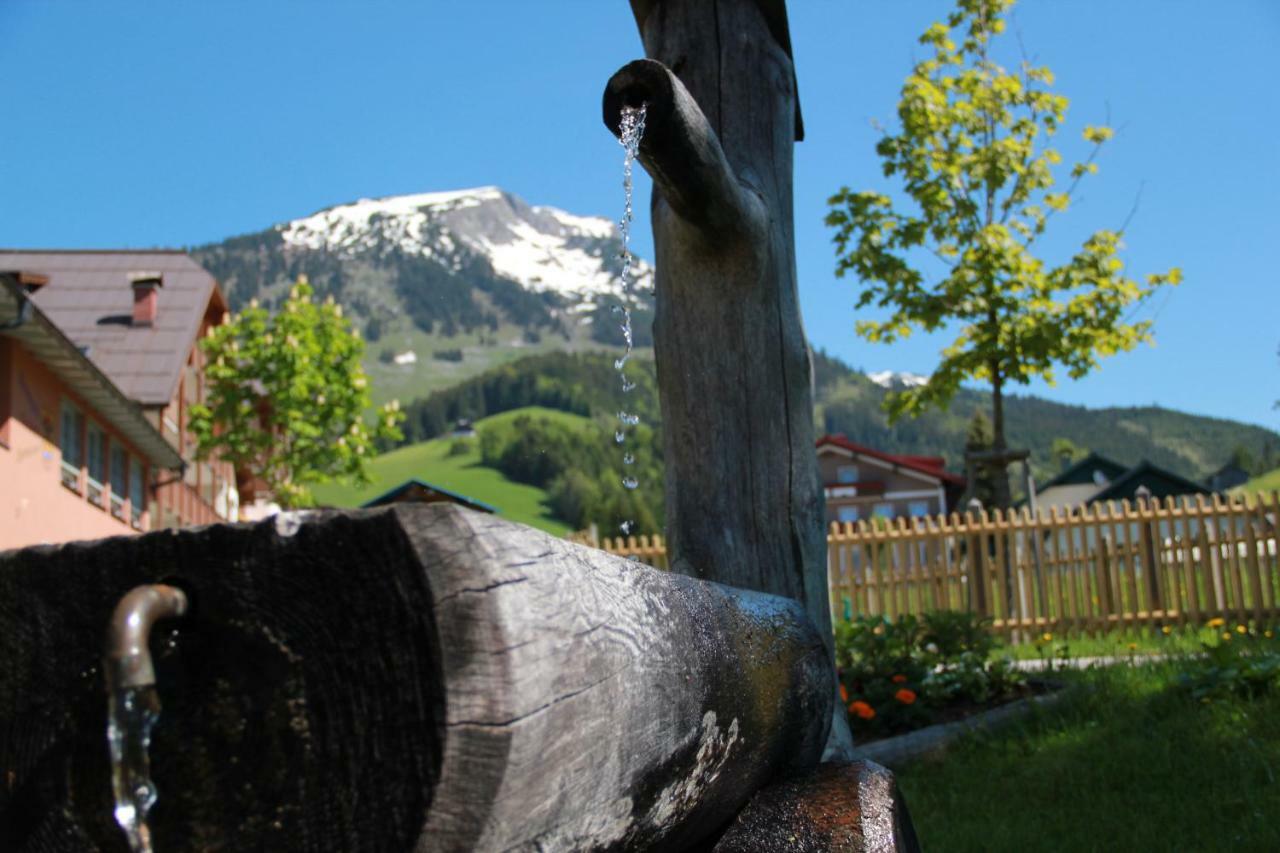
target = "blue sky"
x: 169, y: 124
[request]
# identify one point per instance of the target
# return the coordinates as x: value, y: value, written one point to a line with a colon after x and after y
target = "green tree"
x: 974, y: 156
x: 1243, y: 458
x: 287, y: 396
x: 1066, y: 452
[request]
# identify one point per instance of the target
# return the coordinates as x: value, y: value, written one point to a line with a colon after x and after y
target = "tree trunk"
x: 416, y: 678
x: 744, y: 505
x: 1000, y: 466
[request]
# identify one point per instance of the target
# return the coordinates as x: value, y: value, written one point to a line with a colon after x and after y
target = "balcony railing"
x: 71, y: 476
x: 117, y: 505
x: 95, y: 492
x: 853, y: 490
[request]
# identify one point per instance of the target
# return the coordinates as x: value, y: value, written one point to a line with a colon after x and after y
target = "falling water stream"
x: 630, y: 131
x: 132, y: 712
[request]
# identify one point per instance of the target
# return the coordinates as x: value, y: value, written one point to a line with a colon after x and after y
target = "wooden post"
x: 978, y: 572
x: 744, y: 505
x: 1148, y: 525
x: 1213, y: 551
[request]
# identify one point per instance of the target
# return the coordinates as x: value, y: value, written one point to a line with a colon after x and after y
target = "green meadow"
x: 440, y: 463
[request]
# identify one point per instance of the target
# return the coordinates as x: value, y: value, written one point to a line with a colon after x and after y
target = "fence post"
x: 1209, y: 531
x: 1146, y: 514
x: 1104, y: 577
x: 977, y: 560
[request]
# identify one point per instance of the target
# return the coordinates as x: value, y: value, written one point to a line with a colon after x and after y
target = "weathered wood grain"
x: 413, y: 678
x: 744, y: 504
x: 836, y: 808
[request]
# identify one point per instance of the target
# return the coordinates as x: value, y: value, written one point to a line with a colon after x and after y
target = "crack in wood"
x: 481, y: 589
x: 540, y: 709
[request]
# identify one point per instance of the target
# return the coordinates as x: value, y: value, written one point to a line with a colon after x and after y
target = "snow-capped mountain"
x: 897, y: 379
x: 462, y: 275
x: 543, y: 249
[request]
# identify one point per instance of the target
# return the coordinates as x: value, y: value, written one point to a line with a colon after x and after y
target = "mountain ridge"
x: 471, y: 280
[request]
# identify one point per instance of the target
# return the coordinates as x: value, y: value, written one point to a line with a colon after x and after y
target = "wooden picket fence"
x: 1091, y: 570
x: 647, y: 549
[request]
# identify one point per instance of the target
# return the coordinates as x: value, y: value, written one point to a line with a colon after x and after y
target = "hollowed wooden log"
x: 414, y: 678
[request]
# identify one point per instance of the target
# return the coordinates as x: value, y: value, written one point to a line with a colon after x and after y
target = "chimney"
x: 145, y: 293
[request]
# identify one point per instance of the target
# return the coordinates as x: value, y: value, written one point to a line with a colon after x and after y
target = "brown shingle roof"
x: 90, y: 299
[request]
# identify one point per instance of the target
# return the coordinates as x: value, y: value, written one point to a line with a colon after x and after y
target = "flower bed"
x: 904, y: 674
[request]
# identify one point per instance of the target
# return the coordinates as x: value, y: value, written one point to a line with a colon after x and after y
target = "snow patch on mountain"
x: 540, y: 248
x: 897, y: 379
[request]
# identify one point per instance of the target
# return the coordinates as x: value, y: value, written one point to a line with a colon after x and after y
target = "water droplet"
x: 288, y: 523
x: 630, y: 482
x: 628, y: 459
x: 627, y: 385
x: 625, y: 527
x: 619, y: 436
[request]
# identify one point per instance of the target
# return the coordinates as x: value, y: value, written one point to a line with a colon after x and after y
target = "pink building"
x: 98, y: 370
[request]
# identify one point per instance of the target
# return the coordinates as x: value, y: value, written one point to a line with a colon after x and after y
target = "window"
x: 137, y: 494
x: 847, y: 474
x: 847, y: 514
x: 97, y: 462
x: 72, y: 428
x: 72, y: 424
x: 883, y: 511
x: 916, y: 509
x: 119, y: 479
x: 97, y: 457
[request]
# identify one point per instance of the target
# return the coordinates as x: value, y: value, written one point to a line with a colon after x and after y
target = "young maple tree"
x: 974, y: 156
x: 287, y: 395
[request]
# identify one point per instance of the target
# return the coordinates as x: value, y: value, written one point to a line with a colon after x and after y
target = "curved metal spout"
x: 128, y: 659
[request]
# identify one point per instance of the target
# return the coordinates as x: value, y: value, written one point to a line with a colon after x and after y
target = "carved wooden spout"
x: 681, y: 152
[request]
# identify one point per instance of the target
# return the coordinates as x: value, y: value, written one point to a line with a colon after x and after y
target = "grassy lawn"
x: 1127, y: 761
x: 1182, y: 639
x: 430, y: 461
x: 1265, y: 484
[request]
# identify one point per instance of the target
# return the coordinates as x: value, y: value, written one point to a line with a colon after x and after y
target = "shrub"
x: 1242, y: 663
x: 899, y: 674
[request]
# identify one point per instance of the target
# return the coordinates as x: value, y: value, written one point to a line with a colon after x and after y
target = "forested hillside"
x: 848, y: 402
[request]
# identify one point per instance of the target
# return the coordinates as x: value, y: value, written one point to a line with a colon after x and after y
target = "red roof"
x: 933, y: 466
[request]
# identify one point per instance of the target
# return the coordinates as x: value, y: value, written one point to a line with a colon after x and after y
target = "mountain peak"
x: 540, y: 248
x: 897, y: 379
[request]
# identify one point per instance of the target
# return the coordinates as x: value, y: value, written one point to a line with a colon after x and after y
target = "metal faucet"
x: 128, y: 659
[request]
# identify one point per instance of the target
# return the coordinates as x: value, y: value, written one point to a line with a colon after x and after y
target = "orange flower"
x: 844, y: 694
x: 905, y: 696
x: 862, y: 709
x: 899, y: 679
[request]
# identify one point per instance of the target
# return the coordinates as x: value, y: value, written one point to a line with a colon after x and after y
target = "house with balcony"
x: 124, y: 325
x: 861, y: 483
